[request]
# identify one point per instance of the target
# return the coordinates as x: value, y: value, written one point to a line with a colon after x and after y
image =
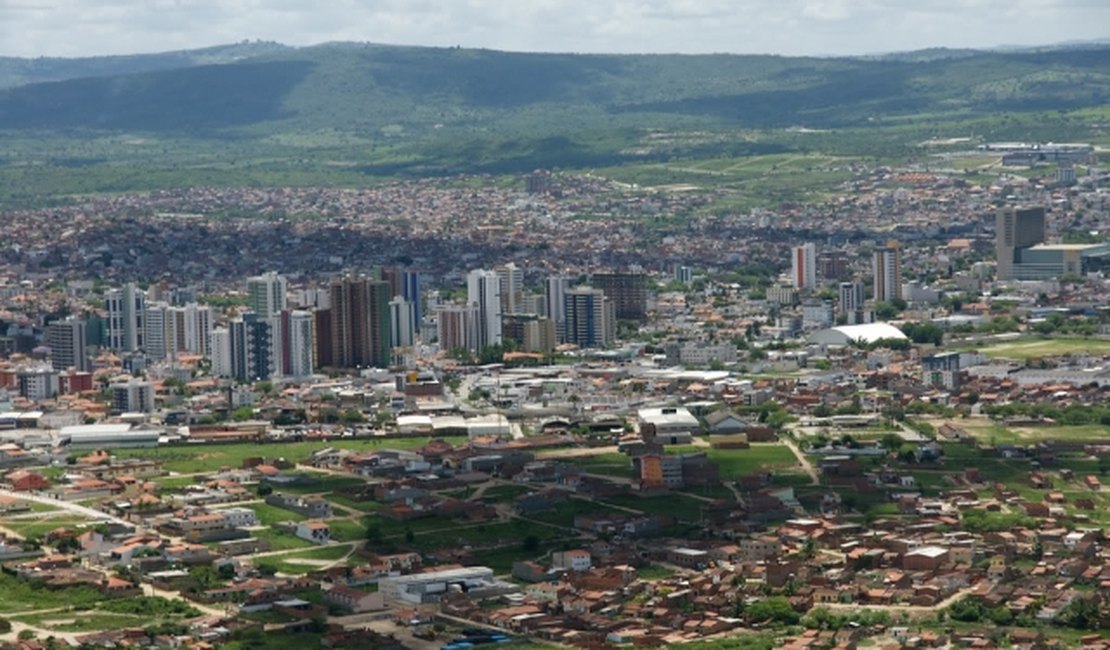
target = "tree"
x: 353, y: 416
x: 1000, y: 615
x: 264, y: 490
x: 1082, y: 614
x: 776, y: 609
x: 967, y: 610
x: 531, y: 543
x: 924, y: 333
x: 886, y: 311
x: 242, y: 414
x: 891, y: 442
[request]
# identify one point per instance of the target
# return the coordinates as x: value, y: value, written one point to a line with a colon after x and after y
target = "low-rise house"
x: 22, y: 480
x: 314, y: 531
x: 312, y: 507
x: 354, y: 600
x: 574, y: 560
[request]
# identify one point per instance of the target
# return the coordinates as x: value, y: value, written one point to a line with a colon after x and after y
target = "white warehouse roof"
x: 847, y: 334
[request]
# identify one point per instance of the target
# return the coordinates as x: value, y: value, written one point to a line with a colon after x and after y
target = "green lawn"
x: 363, y: 506
x: 20, y: 596
x: 654, y: 572
x: 40, y: 527
x: 1027, y: 348
x: 506, y: 493
x: 269, y: 515
x: 285, y: 563
x: 563, y: 514
x: 86, y: 621
x: 680, y: 506
x: 501, y: 534
x: 759, y: 457
x: 322, y: 483
x: 280, y: 541
x: 612, y: 464
x: 211, y: 457
x: 344, y: 530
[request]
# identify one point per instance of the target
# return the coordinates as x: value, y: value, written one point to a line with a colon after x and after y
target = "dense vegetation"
x: 366, y: 87
x: 345, y: 114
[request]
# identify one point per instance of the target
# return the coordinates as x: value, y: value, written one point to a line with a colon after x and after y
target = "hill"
x: 21, y: 72
x: 262, y: 113
x: 368, y: 87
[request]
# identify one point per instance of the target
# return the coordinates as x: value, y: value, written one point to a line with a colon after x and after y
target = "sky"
x: 31, y: 28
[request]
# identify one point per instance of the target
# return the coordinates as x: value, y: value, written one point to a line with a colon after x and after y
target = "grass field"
x: 288, y: 563
x: 208, y: 458
x: 617, y: 465
x: 1023, y: 349
x: 991, y: 432
x: 680, y: 506
x: 40, y: 527
x: 21, y: 596
x: 759, y: 457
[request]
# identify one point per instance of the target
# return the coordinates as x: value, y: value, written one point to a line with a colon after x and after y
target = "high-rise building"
x: 483, y: 290
x: 254, y: 349
x: 37, y: 384
x: 803, y: 266
x: 832, y: 265
x: 297, y: 331
x: 1016, y: 228
x: 322, y: 344
x: 886, y: 264
x: 158, y: 333
x: 401, y: 324
x: 266, y: 294
x: 512, y: 287
x: 554, y: 294
x: 406, y: 283
x: 219, y: 352
x: 852, y: 296
x: 193, y: 325
x: 169, y: 331
x: 125, y: 318
x: 539, y: 336
x: 591, y: 318
x: 360, y: 327
x: 627, y: 292
x: 133, y: 396
x: 683, y: 274
x: 457, y: 327
x: 66, y: 339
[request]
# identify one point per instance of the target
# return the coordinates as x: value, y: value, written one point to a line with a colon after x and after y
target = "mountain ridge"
x: 259, y: 89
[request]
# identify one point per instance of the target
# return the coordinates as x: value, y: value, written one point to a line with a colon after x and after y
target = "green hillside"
x: 20, y: 72
x: 360, y: 87
x: 262, y: 113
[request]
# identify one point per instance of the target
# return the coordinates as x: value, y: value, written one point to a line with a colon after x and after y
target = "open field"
x: 21, y: 596
x: 208, y: 458
x: 302, y: 562
x: 1030, y: 348
x: 758, y: 458
x: 993, y: 432
x: 42, y: 526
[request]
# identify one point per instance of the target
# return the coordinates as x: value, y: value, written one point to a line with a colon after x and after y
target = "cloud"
x: 85, y: 27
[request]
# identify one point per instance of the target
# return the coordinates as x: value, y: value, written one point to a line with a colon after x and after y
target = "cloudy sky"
x: 87, y: 27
